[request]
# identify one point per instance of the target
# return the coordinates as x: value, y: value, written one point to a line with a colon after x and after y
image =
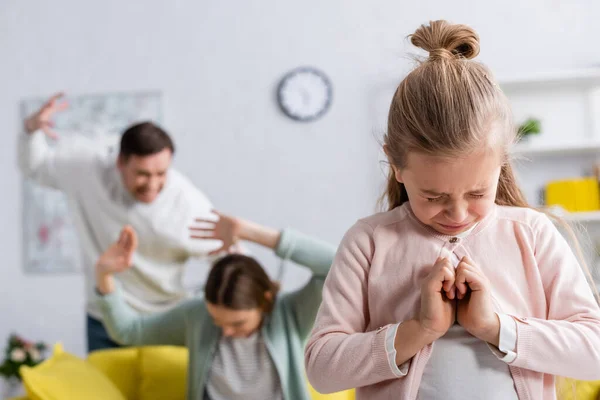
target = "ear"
x: 269, y: 296
x: 121, y: 161
x: 397, y: 171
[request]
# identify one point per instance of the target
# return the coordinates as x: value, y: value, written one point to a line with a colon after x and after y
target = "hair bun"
x: 444, y: 40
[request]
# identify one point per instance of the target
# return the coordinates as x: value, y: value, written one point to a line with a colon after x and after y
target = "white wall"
x: 217, y: 64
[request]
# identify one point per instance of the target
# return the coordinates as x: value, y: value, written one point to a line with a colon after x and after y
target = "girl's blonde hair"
x: 449, y: 106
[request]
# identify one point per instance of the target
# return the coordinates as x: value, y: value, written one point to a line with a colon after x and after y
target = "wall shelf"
x: 583, y: 216
x: 592, y: 146
x: 580, y: 216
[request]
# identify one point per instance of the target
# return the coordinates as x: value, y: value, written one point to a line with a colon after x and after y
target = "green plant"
x: 531, y: 126
x: 20, y: 352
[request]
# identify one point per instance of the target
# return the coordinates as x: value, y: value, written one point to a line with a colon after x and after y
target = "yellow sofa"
x: 570, y: 389
x: 160, y: 373
x: 135, y: 373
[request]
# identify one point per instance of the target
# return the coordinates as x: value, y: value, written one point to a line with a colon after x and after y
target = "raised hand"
x: 42, y: 119
x: 117, y: 257
x: 475, y: 310
x: 226, y: 228
x: 438, y: 304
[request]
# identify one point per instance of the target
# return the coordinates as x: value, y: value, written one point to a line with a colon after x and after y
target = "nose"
x: 458, y: 212
x: 154, y: 184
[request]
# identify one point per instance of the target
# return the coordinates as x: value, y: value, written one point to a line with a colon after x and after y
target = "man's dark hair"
x: 145, y: 139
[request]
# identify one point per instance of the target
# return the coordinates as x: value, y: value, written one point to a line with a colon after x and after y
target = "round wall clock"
x: 304, y: 94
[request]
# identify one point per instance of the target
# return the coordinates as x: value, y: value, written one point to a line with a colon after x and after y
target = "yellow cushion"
x: 65, y: 376
x: 570, y: 389
x: 163, y: 372
x: 345, y: 395
x: 121, y: 367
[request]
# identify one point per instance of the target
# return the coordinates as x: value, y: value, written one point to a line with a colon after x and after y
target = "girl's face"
x: 235, y: 323
x: 451, y: 195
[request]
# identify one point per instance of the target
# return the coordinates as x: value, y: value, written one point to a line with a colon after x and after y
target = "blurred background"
x: 217, y: 66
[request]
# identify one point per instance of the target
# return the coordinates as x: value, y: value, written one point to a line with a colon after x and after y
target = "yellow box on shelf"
x: 574, y: 194
x: 558, y: 193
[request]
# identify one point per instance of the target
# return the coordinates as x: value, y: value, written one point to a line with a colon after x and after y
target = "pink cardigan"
x: 374, y: 283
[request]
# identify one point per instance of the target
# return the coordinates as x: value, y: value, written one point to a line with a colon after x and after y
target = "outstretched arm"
x: 123, y: 323
x: 53, y: 166
x: 230, y: 230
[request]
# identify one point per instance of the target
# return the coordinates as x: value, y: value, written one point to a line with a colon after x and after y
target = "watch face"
x: 304, y: 94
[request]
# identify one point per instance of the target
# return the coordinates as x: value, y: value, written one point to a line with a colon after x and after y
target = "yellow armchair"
x: 134, y: 373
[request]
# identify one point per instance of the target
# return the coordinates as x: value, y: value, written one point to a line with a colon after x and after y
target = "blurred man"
x: 137, y: 187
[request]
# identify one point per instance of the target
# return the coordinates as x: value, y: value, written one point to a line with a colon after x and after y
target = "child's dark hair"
x: 239, y: 282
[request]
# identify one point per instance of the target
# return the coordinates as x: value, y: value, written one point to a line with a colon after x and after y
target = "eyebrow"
x: 432, y: 192
x: 436, y: 193
x: 238, y: 322
x: 148, y: 172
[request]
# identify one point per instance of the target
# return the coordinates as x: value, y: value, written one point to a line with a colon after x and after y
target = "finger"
x: 133, y: 237
x: 63, y: 105
x: 463, y: 261
x: 216, y: 212
x: 465, y: 277
x: 215, y: 252
x: 206, y: 221
x: 122, y: 238
x: 127, y: 242
x: 197, y: 229
x: 469, y: 262
x: 440, y: 266
x: 452, y: 293
x: 204, y: 237
x: 470, y: 278
x: 55, y: 97
x: 439, y: 276
x: 462, y: 265
x: 448, y: 284
x: 50, y: 102
x: 471, y: 268
x: 124, y: 241
x: 130, y: 238
x: 476, y: 281
x: 46, y: 113
x: 460, y: 282
x: 441, y: 263
x: 134, y: 242
x: 48, y: 132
